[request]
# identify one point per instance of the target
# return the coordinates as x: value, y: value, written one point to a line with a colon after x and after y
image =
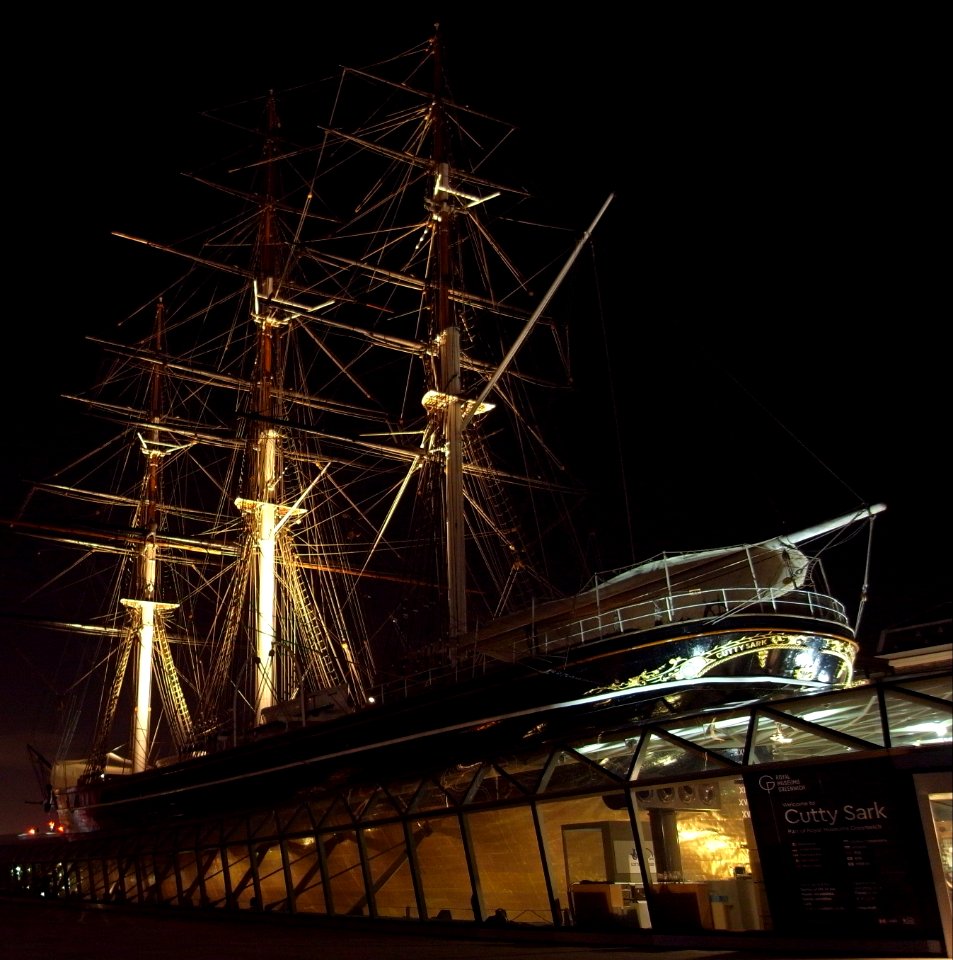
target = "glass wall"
x: 443, y: 867
x: 640, y: 826
x: 704, y: 866
x: 511, y: 883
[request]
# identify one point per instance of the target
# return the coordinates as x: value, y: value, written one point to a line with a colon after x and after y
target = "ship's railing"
x: 696, y: 605
x: 708, y: 607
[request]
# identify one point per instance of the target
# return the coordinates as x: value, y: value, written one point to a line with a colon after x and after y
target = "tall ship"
x: 319, y: 531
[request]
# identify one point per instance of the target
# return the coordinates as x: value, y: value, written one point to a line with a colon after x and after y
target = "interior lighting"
x: 779, y: 736
x: 587, y: 748
x: 819, y: 715
x: 713, y: 735
x: 938, y: 728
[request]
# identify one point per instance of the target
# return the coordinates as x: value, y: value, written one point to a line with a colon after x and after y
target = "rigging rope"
x: 866, y: 584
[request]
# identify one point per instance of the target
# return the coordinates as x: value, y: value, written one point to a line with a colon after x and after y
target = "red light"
x: 31, y: 831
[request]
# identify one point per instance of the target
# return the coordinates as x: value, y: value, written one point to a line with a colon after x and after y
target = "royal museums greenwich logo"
x: 813, y: 816
x: 782, y: 783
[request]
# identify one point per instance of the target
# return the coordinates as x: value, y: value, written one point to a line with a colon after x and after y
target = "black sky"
x: 770, y: 265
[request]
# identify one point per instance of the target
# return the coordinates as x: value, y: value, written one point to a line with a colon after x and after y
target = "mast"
x: 146, y: 609
x: 261, y: 509
x: 458, y: 411
x: 449, y: 384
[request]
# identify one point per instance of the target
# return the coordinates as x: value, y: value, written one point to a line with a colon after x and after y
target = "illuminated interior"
x: 541, y: 836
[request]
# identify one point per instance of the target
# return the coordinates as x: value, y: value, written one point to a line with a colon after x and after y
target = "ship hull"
x: 540, y: 698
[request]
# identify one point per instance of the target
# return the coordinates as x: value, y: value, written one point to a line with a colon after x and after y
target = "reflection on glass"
x: 705, y: 871
x: 941, y: 809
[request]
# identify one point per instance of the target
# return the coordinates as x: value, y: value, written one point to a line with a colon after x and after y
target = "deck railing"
x: 692, y: 609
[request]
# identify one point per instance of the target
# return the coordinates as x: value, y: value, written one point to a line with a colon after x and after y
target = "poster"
x: 841, y: 849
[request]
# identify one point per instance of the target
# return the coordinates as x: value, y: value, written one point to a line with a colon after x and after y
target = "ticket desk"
x: 594, y: 903
x: 730, y: 904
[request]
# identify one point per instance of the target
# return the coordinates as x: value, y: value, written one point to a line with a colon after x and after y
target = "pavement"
x: 50, y: 930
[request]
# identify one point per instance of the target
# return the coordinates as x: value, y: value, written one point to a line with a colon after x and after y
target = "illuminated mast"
x: 263, y: 514
x: 448, y: 398
x: 147, y: 606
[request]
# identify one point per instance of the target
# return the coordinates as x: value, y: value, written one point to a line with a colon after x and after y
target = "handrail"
x: 694, y: 607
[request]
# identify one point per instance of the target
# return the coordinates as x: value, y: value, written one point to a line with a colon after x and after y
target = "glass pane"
x: 84, y: 879
x: 162, y: 889
x: 164, y: 839
x: 457, y: 780
x: 306, y: 878
x: 855, y: 713
x: 509, y: 865
x: 211, y: 835
x: 525, y: 771
x: 379, y: 807
x: 939, y: 687
x: 916, y: 722
x: 189, y: 878
x: 130, y: 879
x: 496, y: 785
x: 235, y: 830
x: 127, y: 881
x: 444, y: 875
x: 390, y: 871
x: 62, y: 880
x: 338, y: 814
x: 659, y: 757
x: 214, y: 875
x: 101, y: 889
x: 261, y: 825
x: 403, y: 791
x: 114, y: 888
x: 941, y: 810
x: 722, y: 733
x: 241, y: 877
x: 702, y: 857
x: 357, y: 799
x: 188, y: 838
x: 271, y: 878
x: 572, y: 772
x: 21, y: 878
x: 776, y: 740
x: 576, y: 858
x: 432, y: 797
x: 344, y: 872
x: 319, y: 807
x: 297, y: 820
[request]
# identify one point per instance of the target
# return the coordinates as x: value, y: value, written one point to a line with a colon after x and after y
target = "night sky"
x: 770, y: 265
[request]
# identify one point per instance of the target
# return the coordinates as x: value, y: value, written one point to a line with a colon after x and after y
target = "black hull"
x: 535, y: 701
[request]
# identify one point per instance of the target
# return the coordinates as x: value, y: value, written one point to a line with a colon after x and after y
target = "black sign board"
x: 842, y: 850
